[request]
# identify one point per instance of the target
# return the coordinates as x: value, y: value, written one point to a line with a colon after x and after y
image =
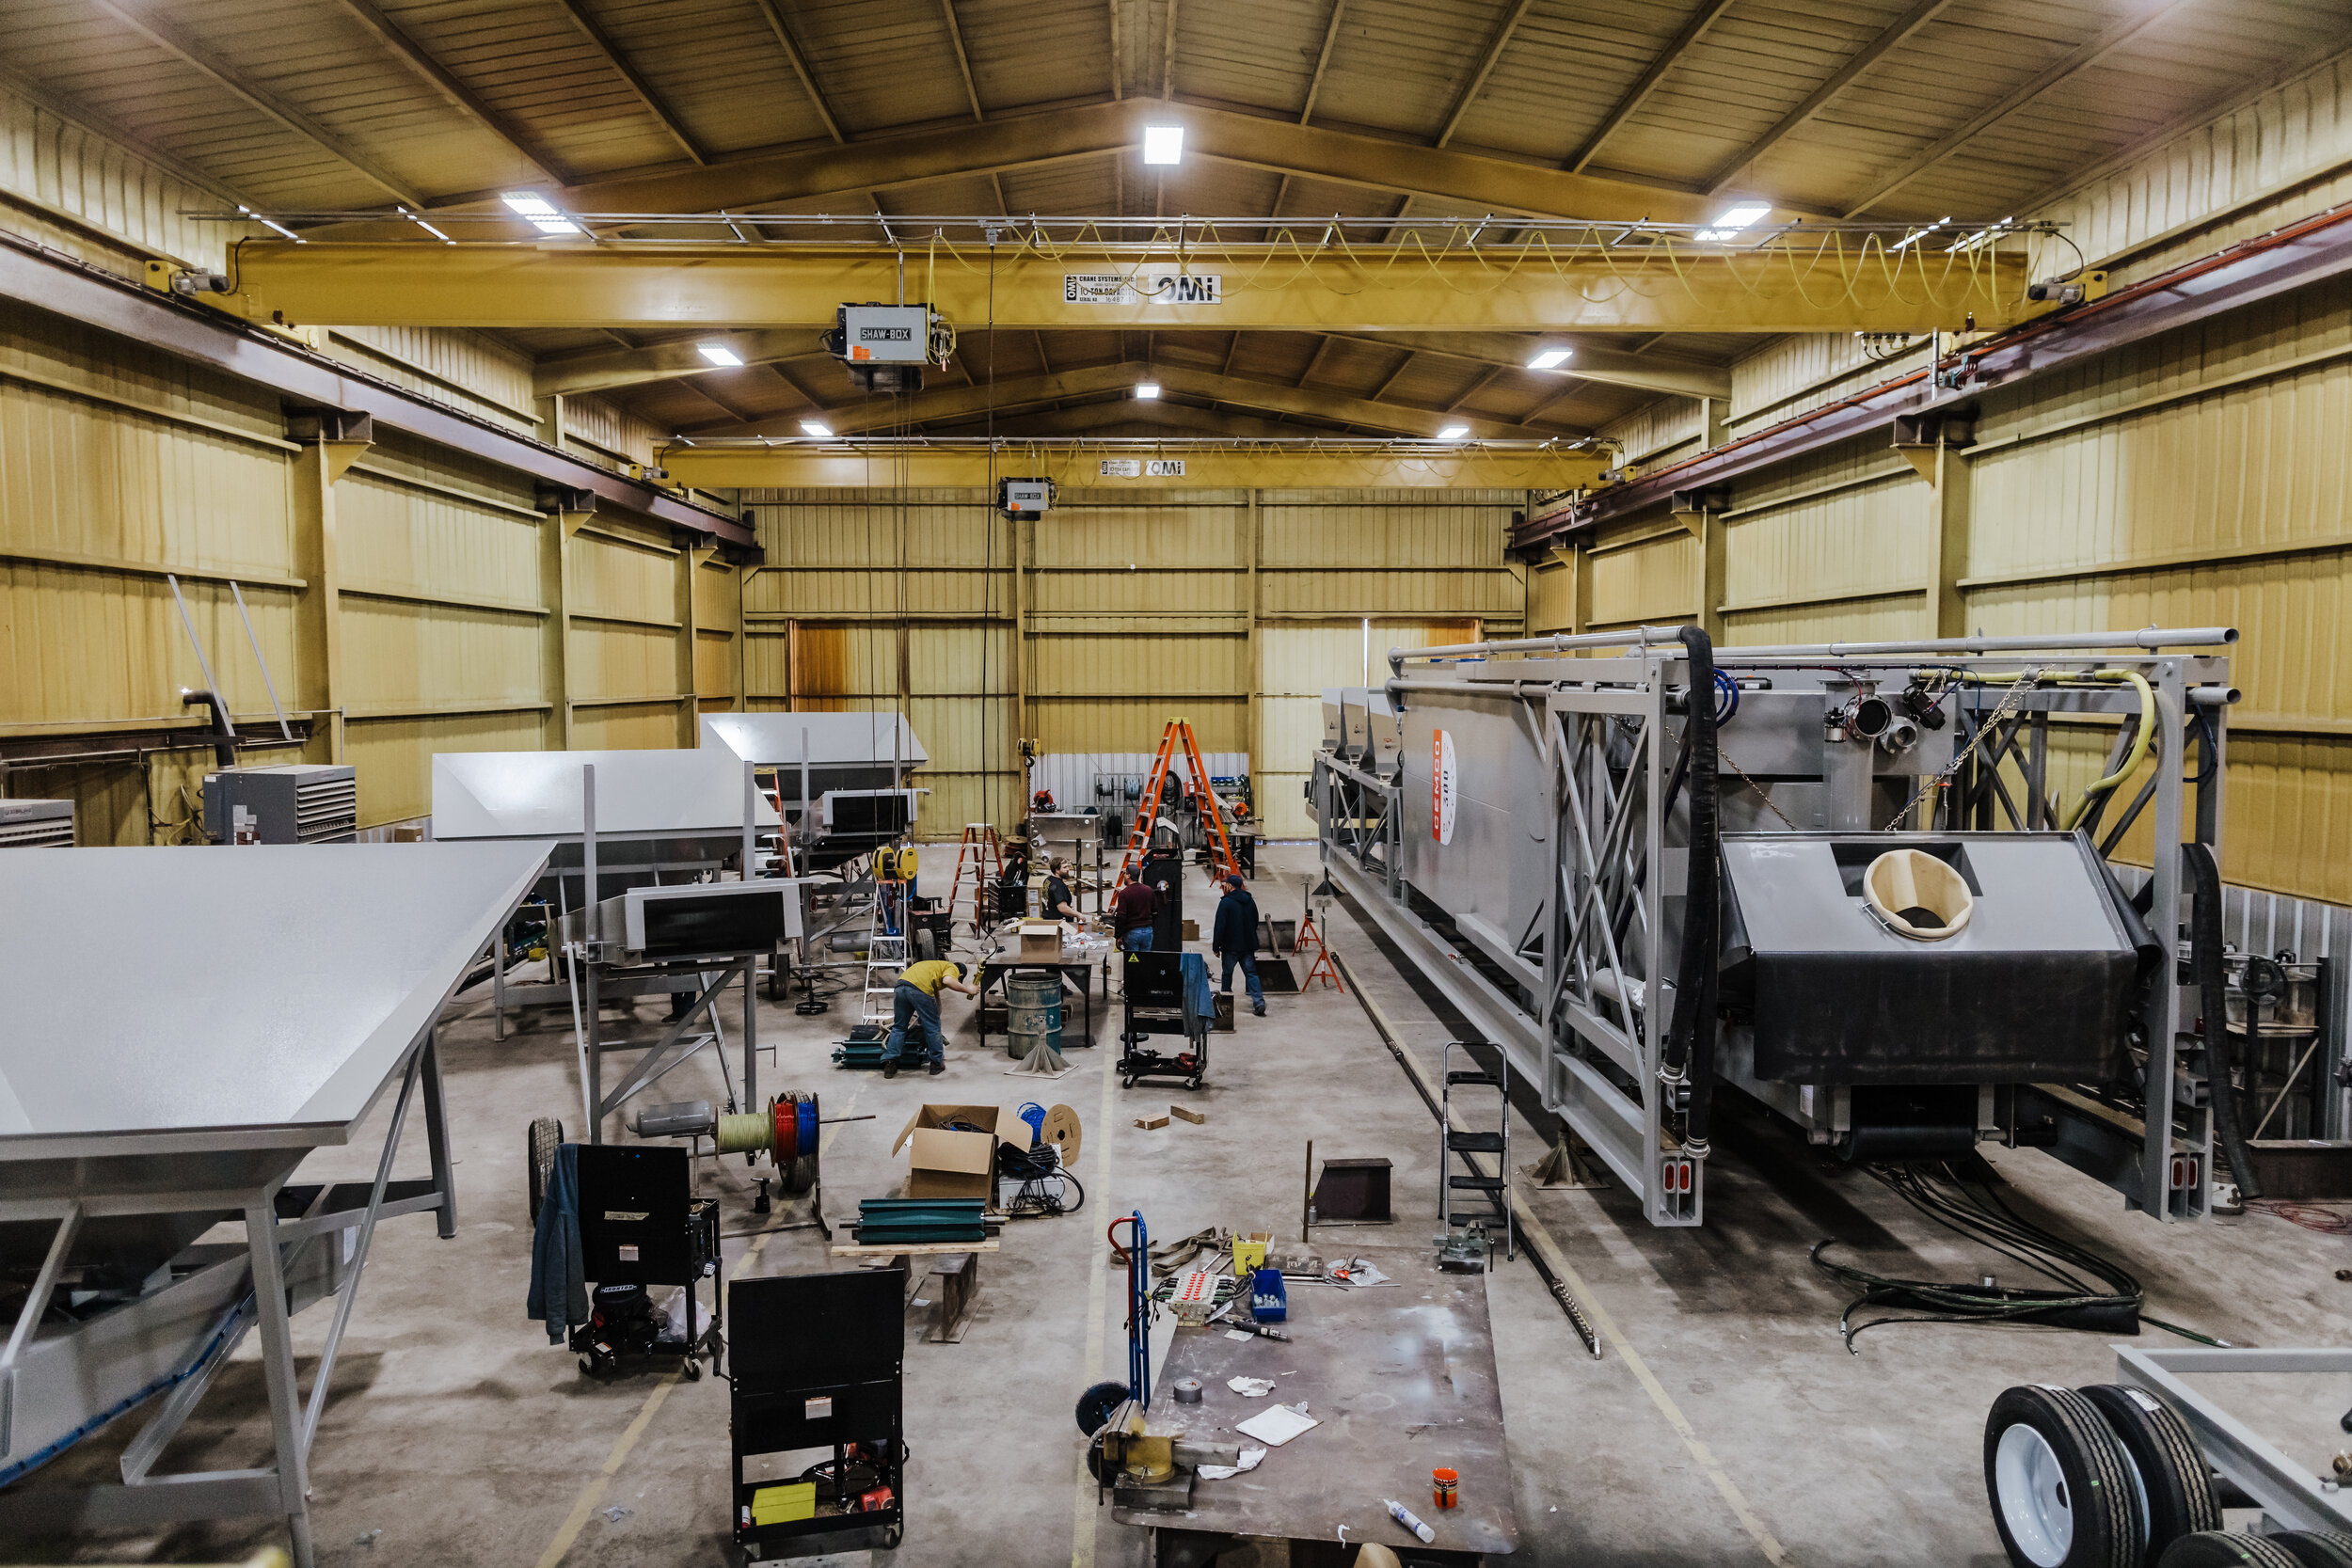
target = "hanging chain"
x: 2027, y: 681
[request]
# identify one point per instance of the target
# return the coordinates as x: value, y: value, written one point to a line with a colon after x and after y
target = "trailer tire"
x: 2214, y: 1549
x: 546, y: 1136
x: 2059, y: 1483
x: 2176, y: 1486
x: 2316, y: 1549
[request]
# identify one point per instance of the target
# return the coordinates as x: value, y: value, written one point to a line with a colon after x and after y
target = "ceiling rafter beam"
x: 1390, y: 379
x: 2025, y: 92
x: 1167, y: 54
x: 1477, y: 82
x: 1892, y: 37
x: 596, y: 35
x: 1119, y: 89
x: 1462, y: 182
x: 799, y: 66
x: 963, y: 64
x: 1638, y: 94
x: 461, y: 97
x: 1591, y: 362
x: 1323, y: 60
x: 1475, y: 387
x: 173, y: 40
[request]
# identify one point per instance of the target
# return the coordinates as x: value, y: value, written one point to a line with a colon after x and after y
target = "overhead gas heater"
x: 886, y: 346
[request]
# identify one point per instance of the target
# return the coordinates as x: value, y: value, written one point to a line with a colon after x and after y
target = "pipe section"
x: 2150, y: 638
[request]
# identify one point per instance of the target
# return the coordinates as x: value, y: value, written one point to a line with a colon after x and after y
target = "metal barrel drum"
x: 1033, y: 1008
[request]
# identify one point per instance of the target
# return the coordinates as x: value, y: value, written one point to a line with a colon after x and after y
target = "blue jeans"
x: 1136, y: 940
x: 909, y: 1002
x: 1248, y: 962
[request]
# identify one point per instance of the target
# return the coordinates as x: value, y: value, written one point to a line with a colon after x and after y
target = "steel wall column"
x: 1253, y: 713
x: 319, y: 636
x: 1948, y: 559
x: 555, y: 638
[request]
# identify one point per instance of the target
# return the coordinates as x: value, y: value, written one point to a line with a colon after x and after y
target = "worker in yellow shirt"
x: 916, y: 996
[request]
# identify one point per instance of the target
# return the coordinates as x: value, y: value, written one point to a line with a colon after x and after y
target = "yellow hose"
x: 2140, y: 743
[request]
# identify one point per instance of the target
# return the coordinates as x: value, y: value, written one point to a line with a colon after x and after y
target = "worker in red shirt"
x: 1132, y: 909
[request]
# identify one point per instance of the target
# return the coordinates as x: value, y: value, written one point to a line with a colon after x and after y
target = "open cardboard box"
x: 1041, y: 940
x: 941, y: 1163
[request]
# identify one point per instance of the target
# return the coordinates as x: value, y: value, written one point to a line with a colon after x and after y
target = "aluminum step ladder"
x: 885, y: 961
x: 1459, y: 1144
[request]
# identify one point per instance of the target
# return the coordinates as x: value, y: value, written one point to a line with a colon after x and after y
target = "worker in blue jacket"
x: 1235, y: 939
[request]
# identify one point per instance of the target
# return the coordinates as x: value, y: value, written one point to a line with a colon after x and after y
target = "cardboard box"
x: 941, y: 1163
x: 1041, y: 940
x: 1192, y: 931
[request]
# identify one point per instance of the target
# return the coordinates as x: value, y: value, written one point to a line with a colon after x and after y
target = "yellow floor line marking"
x: 1557, y: 1257
x: 1098, y: 1305
x: 593, y: 1492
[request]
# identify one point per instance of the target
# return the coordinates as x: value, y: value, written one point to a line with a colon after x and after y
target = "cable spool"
x: 788, y: 1129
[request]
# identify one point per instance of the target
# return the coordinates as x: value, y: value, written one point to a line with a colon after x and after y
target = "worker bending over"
x: 916, y: 996
x: 1235, y: 937
x: 1133, y: 908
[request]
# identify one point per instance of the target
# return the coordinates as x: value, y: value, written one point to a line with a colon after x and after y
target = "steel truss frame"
x: 1578, y: 1000
x: 288, y: 1263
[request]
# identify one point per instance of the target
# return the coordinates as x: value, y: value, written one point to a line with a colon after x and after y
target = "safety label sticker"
x: 1159, y: 288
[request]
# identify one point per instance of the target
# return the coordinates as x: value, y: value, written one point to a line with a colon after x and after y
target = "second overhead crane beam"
x: 575, y: 285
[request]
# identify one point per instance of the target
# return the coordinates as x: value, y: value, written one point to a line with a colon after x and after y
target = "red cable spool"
x: 787, y: 1119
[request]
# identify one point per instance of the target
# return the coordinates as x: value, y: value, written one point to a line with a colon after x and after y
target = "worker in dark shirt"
x: 1234, y: 938
x: 1060, y: 905
x: 1132, y: 909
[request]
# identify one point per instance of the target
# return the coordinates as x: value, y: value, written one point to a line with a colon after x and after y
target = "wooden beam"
x: 461, y: 97
x: 1322, y: 59
x: 2074, y: 64
x: 799, y: 66
x: 1627, y: 106
x: 167, y: 36
x: 1894, y: 35
x: 1470, y: 89
x: 627, y: 72
x: 963, y: 64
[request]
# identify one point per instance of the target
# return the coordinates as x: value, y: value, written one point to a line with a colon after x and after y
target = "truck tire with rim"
x: 2214, y: 1548
x: 2059, y: 1483
x: 2175, y: 1485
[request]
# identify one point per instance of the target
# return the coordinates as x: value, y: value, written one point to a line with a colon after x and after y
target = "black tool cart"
x: 1156, y: 1006
x: 819, y: 1366
x: 640, y: 1225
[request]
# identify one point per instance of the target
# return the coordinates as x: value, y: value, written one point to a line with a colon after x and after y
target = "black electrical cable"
x: 1691, y: 1036
x: 2204, y: 945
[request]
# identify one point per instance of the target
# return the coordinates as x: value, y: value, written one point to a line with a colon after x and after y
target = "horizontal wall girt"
x: 499, y: 285
x: 1072, y: 466
x: 44, y: 282
x: 2288, y: 258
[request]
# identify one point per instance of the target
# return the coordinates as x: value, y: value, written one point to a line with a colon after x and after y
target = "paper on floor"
x: 1251, y: 1387
x: 1276, y: 1425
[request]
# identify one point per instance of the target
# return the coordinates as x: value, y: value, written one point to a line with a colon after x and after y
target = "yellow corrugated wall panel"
x: 1874, y: 535
x: 2291, y: 144
x: 1120, y: 595
x: 394, y: 757
x: 829, y: 662
x: 1875, y: 620
x: 1124, y: 725
x: 397, y: 536
x: 55, y: 163
x: 851, y: 592
x: 2260, y: 463
x: 409, y: 656
x: 1173, y: 537
x: 1295, y: 664
x: 1657, y: 581
x: 1550, y: 596
x: 609, y: 577
x: 480, y: 375
x: 632, y: 727
x: 105, y: 647
x: 1137, y: 661
x: 612, y: 660
x: 602, y: 431
x: 1493, y: 594
x: 970, y: 659
x: 1353, y: 536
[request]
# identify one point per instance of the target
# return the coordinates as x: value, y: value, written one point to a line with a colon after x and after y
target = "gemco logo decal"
x: 1441, y: 787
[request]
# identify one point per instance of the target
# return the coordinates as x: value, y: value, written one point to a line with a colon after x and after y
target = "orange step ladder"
x: 979, y: 845
x: 1179, y: 731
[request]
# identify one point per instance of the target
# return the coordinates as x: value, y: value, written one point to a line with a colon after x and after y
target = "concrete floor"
x: 1737, y: 1431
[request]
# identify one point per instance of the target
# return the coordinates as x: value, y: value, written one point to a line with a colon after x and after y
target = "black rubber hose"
x: 1691, y: 1037
x: 2204, y: 947
x: 223, y: 734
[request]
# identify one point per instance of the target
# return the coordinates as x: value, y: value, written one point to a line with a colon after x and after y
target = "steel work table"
x: 993, y: 972
x: 1402, y: 1378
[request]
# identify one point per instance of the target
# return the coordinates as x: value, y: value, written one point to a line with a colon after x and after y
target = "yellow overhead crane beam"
x: 1825, y: 283
x: 1133, y: 465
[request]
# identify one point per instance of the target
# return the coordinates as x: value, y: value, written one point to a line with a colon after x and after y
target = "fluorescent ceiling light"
x: 816, y: 428
x: 1147, y: 389
x: 719, y: 353
x: 273, y: 223
x: 1453, y: 433
x: 1733, y: 221
x: 542, y: 212
x: 1550, y: 358
x: 1163, y: 144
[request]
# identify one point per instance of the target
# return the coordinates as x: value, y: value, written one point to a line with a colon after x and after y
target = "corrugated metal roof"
x: 719, y: 77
